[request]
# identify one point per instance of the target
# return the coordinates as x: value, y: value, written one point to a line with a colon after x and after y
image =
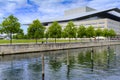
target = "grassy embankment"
x: 33, y: 41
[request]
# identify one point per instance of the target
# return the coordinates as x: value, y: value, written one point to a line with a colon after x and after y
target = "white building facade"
x: 108, y: 18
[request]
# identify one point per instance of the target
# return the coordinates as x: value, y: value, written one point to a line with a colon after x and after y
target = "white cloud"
x: 46, y: 9
x: 27, y: 11
x: 102, y: 4
x: 9, y: 6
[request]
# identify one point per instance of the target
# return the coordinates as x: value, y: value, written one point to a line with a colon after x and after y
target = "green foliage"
x: 81, y: 31
x: 55, y: 30
x: 19, y: 35
x: 55, y: 64
x: 36, y: 30
x: 1, y: 31
x: 112, y: 33
x: 70, y: 30
x: 90, y: 32
x: 64, y: 34
x: 98, y: 32
x: 105, y: 32
x: 26, y: 36
x: 35, y: 67
x: 10, y: 25
x: 46, y: 34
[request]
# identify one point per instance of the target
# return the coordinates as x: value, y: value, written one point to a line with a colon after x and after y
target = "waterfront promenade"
x: 8, y: 49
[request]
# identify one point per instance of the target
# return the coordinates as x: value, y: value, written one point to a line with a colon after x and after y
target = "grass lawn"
x: 33, y: 41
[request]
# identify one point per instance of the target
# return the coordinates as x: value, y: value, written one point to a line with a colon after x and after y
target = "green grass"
x: 33, y: 41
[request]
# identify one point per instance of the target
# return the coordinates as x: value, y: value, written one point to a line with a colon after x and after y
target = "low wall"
x: 24, y: 48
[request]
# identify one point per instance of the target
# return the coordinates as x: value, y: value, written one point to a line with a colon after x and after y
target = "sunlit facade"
x: 108, y: 18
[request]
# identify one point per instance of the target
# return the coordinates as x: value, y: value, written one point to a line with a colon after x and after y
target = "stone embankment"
x: 26, y: 48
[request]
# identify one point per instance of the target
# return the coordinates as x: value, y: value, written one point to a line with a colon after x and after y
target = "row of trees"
x: 36, y: 30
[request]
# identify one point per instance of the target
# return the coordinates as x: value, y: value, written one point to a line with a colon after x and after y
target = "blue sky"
x: 28, y: 10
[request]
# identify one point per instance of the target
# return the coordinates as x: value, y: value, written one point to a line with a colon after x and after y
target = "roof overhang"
x: 113, y: 13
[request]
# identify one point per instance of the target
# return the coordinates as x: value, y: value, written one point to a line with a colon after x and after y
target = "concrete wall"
x: 22, y: 48
x: 111, y: 24
x: 97, y: 23
x: 78, y: 11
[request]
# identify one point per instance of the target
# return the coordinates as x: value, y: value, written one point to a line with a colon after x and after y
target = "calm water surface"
x: 100, y: 63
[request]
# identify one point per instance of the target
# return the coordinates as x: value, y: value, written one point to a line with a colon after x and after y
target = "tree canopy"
x: 55, y: 30
x: 36, y: 30
x: 112, y: 33
x: 1, y: 31
x: 19, y: 35
x: 105, y: 32
x: 70, y: 30
x: 81, y: 31
x: 98, y: 32
x: 90, y: 32
x: 10, y: 25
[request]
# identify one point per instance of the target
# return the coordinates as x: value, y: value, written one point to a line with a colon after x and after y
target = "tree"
x: 46, y: 36
x: 70, y: 30
x: 64, y: 34
x: 1, y: 31
x: 19, y: 35
x: 26, y: 36
x: 81, y: 31
x: 36, y: 30
x: 112, y: 33
x: 98, y: 32
x: 105, y: 32
x: 10, y: 25
x: 55, y: 30
x: 90, y: 32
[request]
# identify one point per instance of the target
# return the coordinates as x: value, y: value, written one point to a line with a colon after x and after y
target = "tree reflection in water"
x: 71, y: 64
x: 54, y: 63
x: 35, y: 69
x: 13, y: 72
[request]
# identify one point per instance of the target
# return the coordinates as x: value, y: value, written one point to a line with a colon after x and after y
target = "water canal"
x: 97, y: 63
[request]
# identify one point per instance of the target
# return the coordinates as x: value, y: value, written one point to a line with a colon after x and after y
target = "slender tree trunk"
x: 10, y: 38
x: 75, y: 39
x: 46, y: 40
x: 36, y: 40
x: 98, y: 38
x: 55, y: 40
x: 69, y: 40
x: 42, y: 40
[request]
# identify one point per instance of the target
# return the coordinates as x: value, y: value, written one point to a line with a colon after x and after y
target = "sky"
x: 28, y: 10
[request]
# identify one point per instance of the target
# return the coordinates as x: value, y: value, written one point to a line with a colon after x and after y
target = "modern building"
x: 107, y: 18
x: 4, y: 36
